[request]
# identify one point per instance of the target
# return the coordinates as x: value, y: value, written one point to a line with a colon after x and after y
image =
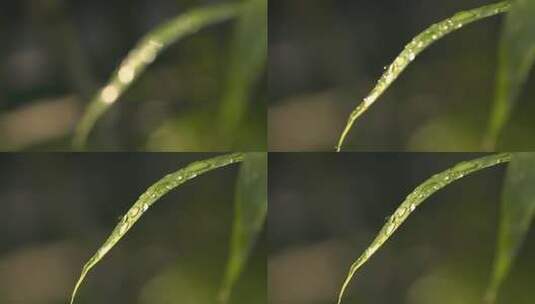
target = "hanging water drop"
x: 400, y: 212
x: 123, y: 228
x: 133, y: 212
x: 389, y: 77
x: 198, y: 166
x: 367, y: 101
x: 390, y: 228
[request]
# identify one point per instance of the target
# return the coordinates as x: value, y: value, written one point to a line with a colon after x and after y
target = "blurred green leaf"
x: 515, y: 58
x: 250, y: 214
x: 187, y: 131
x: 143, y: 54
x: 248, y: 58
x: 517, y: 210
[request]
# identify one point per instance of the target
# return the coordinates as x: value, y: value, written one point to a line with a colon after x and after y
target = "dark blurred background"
x: 57, y: 209
x: 56, y: 54
x: 325, y: 56
x: 325, y: 209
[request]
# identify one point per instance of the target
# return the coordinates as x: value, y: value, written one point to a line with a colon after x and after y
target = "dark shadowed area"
x: 57, y: 209
x: 325, y: 209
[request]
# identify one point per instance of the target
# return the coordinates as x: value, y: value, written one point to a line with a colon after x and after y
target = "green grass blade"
x: 143, y: 54
x: 411, y: 50
x: 516, y: 56
x: 250, y: 214
x: 517, y: 211
x: 414, y: 199
x: 149, y: 197
x: 248, y: 58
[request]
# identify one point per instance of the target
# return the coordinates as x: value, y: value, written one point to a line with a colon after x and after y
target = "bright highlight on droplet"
x: 148, y: 53
x: 390, y: 229
x: 109, y: 94
x: 133, y: 212
x: 123, y: 228
x: 126, y: 74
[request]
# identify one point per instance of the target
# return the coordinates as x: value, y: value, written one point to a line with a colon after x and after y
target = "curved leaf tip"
x: 147, y: 199
x: 411, y: 50
x: 413, y: 200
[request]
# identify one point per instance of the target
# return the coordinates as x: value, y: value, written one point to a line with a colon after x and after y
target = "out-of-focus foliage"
x: 247, y: 62
x: 515, y: 59
x: 57, y: 53
x: 142, y: 55
x: 250, y: 210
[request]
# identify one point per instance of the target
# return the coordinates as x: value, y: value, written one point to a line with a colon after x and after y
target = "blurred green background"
x: 57, y: 209
x: 326, y: 208
x: 56, y: 54
x: 325, y: 56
